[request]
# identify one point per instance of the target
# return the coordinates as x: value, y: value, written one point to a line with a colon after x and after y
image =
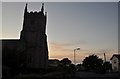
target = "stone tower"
x: 34, y: 35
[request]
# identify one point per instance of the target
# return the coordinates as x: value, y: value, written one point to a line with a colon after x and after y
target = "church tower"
x: 34, y: 35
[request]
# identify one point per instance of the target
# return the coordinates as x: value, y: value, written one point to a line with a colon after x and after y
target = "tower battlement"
x: 42, y: 10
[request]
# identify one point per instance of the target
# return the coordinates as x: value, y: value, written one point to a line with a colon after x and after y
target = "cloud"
x: 58, y: 47
x: 66, y: 46
x: 71, y: 43
x: 66, y: 50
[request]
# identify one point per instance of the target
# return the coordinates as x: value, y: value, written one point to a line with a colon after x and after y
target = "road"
x: 91, y: 75
x: 61, y: 75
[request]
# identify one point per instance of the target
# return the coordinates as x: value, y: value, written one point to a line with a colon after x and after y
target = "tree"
x: 66, y: 65
x: 65, y: 61
x: 107, y: 66
x: 92, y: 62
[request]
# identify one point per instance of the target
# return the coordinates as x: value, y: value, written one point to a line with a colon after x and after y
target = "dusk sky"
x: 91, y: 26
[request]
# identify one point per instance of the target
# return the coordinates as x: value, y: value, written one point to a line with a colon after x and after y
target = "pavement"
x: 77, y: 75
x: 92, y: 75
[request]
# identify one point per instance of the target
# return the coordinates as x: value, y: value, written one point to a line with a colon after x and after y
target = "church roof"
x: 13, y: 44
x: 10, y: 41
x: 116, y: 55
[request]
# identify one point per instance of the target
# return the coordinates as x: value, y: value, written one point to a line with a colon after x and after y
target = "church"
x: 33, y: 39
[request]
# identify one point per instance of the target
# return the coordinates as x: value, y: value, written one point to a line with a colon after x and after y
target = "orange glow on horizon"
x: 60, y: 51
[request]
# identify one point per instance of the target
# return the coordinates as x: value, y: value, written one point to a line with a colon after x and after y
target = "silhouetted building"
x: 33, y: 39
x: 115, y: 59
x: 53, y: 62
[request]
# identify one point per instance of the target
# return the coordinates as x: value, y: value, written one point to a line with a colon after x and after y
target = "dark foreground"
x: 91, y: 75
x: 61, y: 75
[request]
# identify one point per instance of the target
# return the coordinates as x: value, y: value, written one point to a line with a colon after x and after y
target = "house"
x: 115, y: 59
x: 53, y: 62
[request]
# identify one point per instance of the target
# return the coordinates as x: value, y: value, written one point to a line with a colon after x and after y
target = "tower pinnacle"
x: 25, y: 8
x: 42, y: 9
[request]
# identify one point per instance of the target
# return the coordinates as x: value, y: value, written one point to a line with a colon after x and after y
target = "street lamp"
x: 75, y: 55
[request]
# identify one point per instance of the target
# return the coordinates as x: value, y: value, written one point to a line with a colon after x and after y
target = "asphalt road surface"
x: 92, y: 75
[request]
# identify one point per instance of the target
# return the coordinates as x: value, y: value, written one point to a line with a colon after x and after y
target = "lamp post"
x: 75, y: 55
x: 104, y: 57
